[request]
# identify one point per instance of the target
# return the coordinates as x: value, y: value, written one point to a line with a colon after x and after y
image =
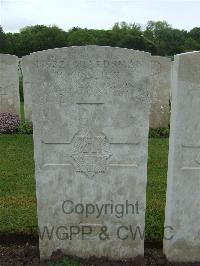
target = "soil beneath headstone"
x: 25, y: 254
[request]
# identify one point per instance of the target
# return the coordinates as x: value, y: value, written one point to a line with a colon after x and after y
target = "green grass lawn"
x: 156, y: 188
x: 17, y: 186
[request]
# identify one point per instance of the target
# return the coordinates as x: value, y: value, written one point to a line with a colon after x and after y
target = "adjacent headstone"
x: 25, y: 64
x: 161, y: 82
x: 182, y: 237
x: 172, y: 70
x: 91, y: 119
x: 9, y: 84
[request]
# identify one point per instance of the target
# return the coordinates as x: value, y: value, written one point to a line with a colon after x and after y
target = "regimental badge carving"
x: 90, y: 152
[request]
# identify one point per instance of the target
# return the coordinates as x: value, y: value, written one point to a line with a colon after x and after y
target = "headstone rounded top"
x: 8, y: 55
x: 187, y: 66
x: 188, y: 54
x: 96, y: 47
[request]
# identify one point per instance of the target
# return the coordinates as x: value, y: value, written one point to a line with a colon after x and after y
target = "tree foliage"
x: 2, y: 39
x: 158, y: 38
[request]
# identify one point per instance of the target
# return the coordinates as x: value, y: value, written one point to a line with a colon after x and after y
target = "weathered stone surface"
x: 25, y: 64
x: 161, y: 82
x: 9, y: 84
x: 91, y: 119
x: 183, y: 197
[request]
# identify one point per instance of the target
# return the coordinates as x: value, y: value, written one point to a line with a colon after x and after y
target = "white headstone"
x: 161, y: 82
x: 91, y: 119
x: 9, y: 84
x: 182, y: 214
x: 25, y: 63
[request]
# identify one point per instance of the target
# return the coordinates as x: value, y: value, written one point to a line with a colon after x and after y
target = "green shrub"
x: 162, y: 132
x: 25, y: 127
